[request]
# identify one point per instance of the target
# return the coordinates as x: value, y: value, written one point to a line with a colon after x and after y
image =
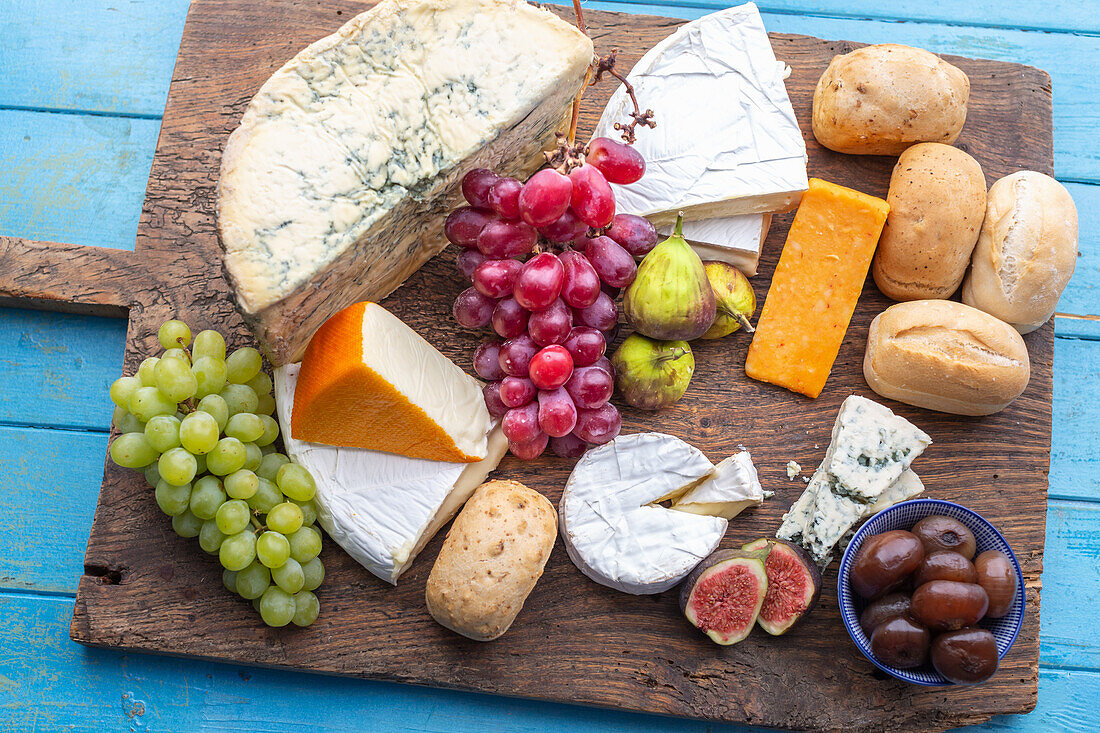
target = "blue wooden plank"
x: 1071, y: 586
x: 1082, y: 296
x: 74, y: 178
x: 93, y: 55
x: 1075, y: 442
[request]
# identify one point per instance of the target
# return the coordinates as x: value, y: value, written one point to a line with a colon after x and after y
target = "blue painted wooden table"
x: 82, y: 87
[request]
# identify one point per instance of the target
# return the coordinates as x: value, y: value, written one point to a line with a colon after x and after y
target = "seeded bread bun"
x: 1026, y: 250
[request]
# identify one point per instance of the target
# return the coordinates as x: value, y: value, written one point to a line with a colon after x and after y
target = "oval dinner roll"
x: 937, y: 203
x: 945, y: 356
x: 1026, y: 251
x: 492, y: 558
x: 879, y: 100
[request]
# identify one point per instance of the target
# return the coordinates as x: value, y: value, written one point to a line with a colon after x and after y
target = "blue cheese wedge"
x: 334, y: 187
x: 732, y: 488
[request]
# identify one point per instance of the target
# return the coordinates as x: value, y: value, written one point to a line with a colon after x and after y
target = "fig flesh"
x: 794, y: 584
x: 722, y: 596
x: 735, y: 301
x: 652, y: 374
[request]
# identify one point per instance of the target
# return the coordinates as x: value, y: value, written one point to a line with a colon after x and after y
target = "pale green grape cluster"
x: 199, y: 425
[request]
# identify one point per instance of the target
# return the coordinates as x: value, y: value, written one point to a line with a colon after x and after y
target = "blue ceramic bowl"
x: 904, y: 516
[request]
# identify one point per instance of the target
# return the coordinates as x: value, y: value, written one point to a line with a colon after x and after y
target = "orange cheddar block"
x: 815, y: 287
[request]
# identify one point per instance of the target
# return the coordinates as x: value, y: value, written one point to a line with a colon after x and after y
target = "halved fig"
x: 794, y: 583
x: 722, y: 596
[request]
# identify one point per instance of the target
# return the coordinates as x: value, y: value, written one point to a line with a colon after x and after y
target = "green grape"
x: 253, y: 580
x: 242, y: 484
x: 177, y: 467
x: 269, y: 448
x: 229, y: 579
x: 261, y: 384
x: 180, y: 354
x: 254, y: 454
x: 226, y: 457
x: 152, y: 475
x: 289, y: 576
x: 127, y: 423
x: 148, y: 402
x: 256, y: 604
x: 173, y: 334
x: 309, y: 512
x: 296, y: 482
x: 314, y: 573
x: 121, y: 390
x: 146, y: 373
x: 245, y: 427
x: 172, y: 500
x: 163, y: 432
x: 239, y: 398
x: 271, y: 431
x: 187, y: 524
x: 265, y: 405
x: 306, y: 608
x: 285, y: 518
x: 266, y: 496
x: 215, y: 406
x: 209, y: 376
x: 200, y: 461
x: 132, y: 450
x: 277, y: 607
x: 175, y: 380
x: 210, y: 537
x: 238, y: 551
x: 209, y: 344
x: 233, y: 516
x: 272, y: 549
x: 270, y: 465
x: 305, y: 544
x: 199, y: 432
x: 206, y: 496
x: 243, y: 364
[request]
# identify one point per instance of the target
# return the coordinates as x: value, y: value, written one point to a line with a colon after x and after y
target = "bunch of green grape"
x: 199, y: 425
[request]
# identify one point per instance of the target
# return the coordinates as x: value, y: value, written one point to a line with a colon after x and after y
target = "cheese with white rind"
x: 733, y: 487
x: 741, y: 152
x: 737, y: 240
x: 334, y: 187
x: 612, y: 527
x: 381, y: 508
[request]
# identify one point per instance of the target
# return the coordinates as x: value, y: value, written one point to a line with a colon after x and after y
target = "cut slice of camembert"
x: 381, y: 508
x: 335, y: 186
x: 733, y: 487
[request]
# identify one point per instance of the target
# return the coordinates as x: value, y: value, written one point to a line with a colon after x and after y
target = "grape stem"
x: 256, y: 523
x: 606, y: 64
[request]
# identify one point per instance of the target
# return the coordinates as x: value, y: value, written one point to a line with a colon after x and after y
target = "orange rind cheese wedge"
x: 369, y: 381
x: 815, y: 287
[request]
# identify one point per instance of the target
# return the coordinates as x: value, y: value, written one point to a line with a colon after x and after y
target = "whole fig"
x: 734, y: 298
x: 652, y: 374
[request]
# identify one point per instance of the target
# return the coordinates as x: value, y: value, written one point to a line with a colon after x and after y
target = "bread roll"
x: 1026, y: 251
x: 937, y: 203
x: 492, y: 558
x: 945, y: 356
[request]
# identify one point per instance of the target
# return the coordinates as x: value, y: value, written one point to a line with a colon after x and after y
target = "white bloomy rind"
x: 733, y: 488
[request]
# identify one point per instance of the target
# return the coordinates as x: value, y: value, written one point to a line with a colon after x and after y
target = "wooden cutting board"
x: 146, y: 589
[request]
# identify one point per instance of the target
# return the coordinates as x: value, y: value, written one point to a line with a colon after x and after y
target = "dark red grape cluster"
x: 555, y: 312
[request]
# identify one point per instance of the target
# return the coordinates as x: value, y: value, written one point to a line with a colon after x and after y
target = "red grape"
x: 602, y: 315
x: 504, y: 197
x: 557, y: 413
x: 517, y: 391
x: 612, y: 263
x: 550, y: 367
x: 539, y: 282
x: 589, y: 387
x: 635, y: 234
x: 568, y: 446
x: 530, y: 450
x: 521, y: 424
x: 472, y: 309
x: 467, y: 261
x: 551, y: 324
x: 495, y: 278
x: 464, y: 224
x: 476, y: 184
x: 586, y: 345
x: 598, y: 426
x: 580, y: 283
x: 610, y: 334
x: 492, y: 400
x: 619, y: 162
x: 516, y: 354
x: 580, y: 242
x: 592, y: 199
x: 501, y: 239
x: 604, y: 363
x: 566, y: 228
x: 611, y: 290
x: 487, y: 361
x: 509, y: 318
x: 544, y: 197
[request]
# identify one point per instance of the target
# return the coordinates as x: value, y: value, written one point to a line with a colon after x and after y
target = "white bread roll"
x: 1026, y: 251
x: 945, y: 356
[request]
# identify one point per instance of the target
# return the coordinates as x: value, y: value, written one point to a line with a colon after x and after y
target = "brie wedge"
x: 737, y: 240
x: 381, y: 508
x: 733, y: 487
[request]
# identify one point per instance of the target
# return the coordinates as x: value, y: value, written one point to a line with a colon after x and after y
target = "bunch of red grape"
x: 555, y: 313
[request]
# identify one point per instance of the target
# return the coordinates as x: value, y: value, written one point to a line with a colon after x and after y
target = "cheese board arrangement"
x: 595, y: 287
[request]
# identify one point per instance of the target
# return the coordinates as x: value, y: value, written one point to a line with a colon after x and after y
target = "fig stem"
x: 678, y: 353
x: 679, y: 230
x: 744, y: 322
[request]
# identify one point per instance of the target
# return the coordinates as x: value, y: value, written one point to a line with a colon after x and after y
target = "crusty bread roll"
x: 937, y: 203
x: 1026, y: 251
x: 945, y: 356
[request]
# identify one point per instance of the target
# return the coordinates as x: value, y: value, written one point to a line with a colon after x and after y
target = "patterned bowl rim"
x: 851, y: 618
